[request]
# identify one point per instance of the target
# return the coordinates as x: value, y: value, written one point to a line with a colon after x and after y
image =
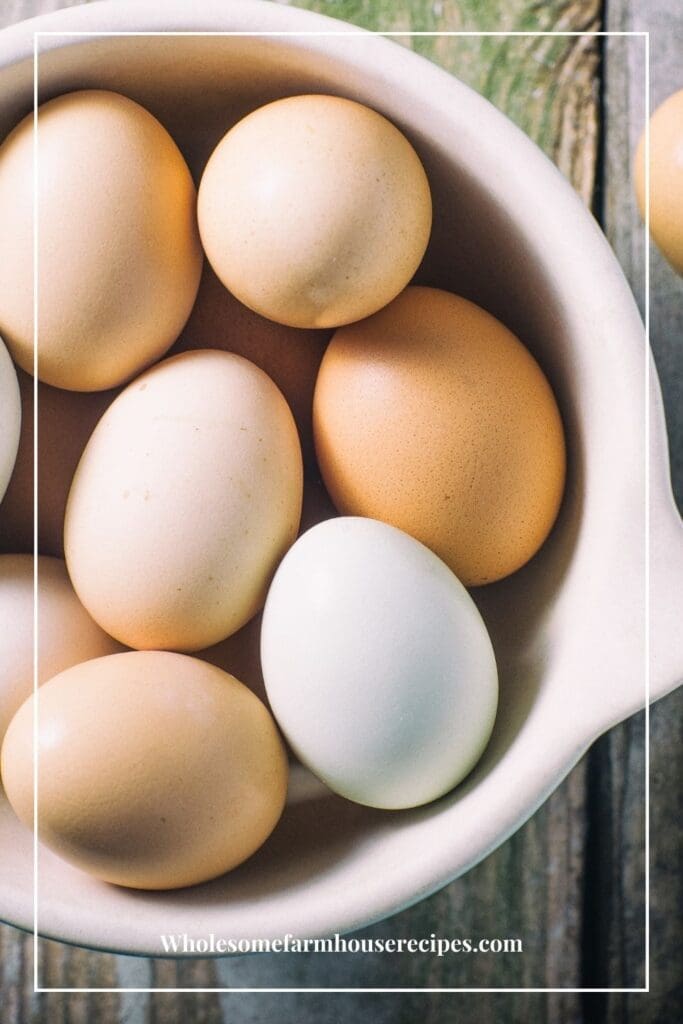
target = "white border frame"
x: 37, y: 989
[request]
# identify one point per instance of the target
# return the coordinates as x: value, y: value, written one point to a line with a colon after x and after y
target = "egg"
x: 10, y: 418
x: 433, y: 417
x: 119, y: 256
x: 289, y: 355
x: 156, y: 770
x: 314, y: 211
x: 66, y: 419
x: 666, y: 178
x: 377, y: 664
x: 186, y: 497
x: 66, y: 633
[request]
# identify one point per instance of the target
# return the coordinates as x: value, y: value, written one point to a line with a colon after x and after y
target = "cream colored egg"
x: 10, y: 418
x: 156, y: 770
x: 666, y: 178
x: 119, y: 257
x: 314, y: 211
x: 432, y: 416
x: 186, y: 497
x: 66, y: 633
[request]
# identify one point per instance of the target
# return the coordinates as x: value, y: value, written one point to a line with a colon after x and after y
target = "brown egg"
x: 66, y: 420
x: 433, y: 417
x: 666, y: 178
x: 156, y: 770
x: 119, y: 255
x: 289, y: 355
x: 314, y: 211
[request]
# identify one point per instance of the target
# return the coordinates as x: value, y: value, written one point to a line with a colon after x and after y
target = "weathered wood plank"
x: 546, y: 85
x: 617, y: 770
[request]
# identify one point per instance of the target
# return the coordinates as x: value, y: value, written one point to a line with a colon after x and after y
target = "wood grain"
x: 616, y: 765
x: 546, y: 85
x: 569, y: 882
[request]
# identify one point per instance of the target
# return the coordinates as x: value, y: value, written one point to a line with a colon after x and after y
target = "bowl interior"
x: 494, y: 242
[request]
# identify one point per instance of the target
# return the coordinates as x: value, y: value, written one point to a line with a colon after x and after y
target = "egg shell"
x: 433, y: 417
x: 66, y: 419
x: 289, y: 355
x: 156, y: 770
x: 10, y: 418
x: 185, y: 499
x: 377, y: 664
x: 666, y: 178
x: 314, y: 210
x: 66, y: 633
x: 119, y: 254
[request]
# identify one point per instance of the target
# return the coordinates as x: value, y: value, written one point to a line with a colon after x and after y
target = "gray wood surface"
x: 615, y: 765
x: 571, y: 882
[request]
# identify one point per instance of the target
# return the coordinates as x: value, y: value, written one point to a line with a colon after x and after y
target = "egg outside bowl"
x: 570, y: 628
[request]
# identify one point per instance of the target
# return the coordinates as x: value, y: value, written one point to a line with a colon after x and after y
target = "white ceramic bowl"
x: 569, y: 629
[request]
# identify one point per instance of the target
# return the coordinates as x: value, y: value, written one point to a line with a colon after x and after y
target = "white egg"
x: 377, y: 664
x: 10, y: 417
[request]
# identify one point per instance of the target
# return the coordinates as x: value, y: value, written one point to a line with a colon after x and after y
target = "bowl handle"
x: 666, y: 566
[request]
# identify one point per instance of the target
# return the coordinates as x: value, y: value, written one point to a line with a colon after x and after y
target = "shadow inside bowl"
x: 311, y: 837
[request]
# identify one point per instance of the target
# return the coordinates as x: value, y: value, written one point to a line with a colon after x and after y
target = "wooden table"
x: 571, y: 882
